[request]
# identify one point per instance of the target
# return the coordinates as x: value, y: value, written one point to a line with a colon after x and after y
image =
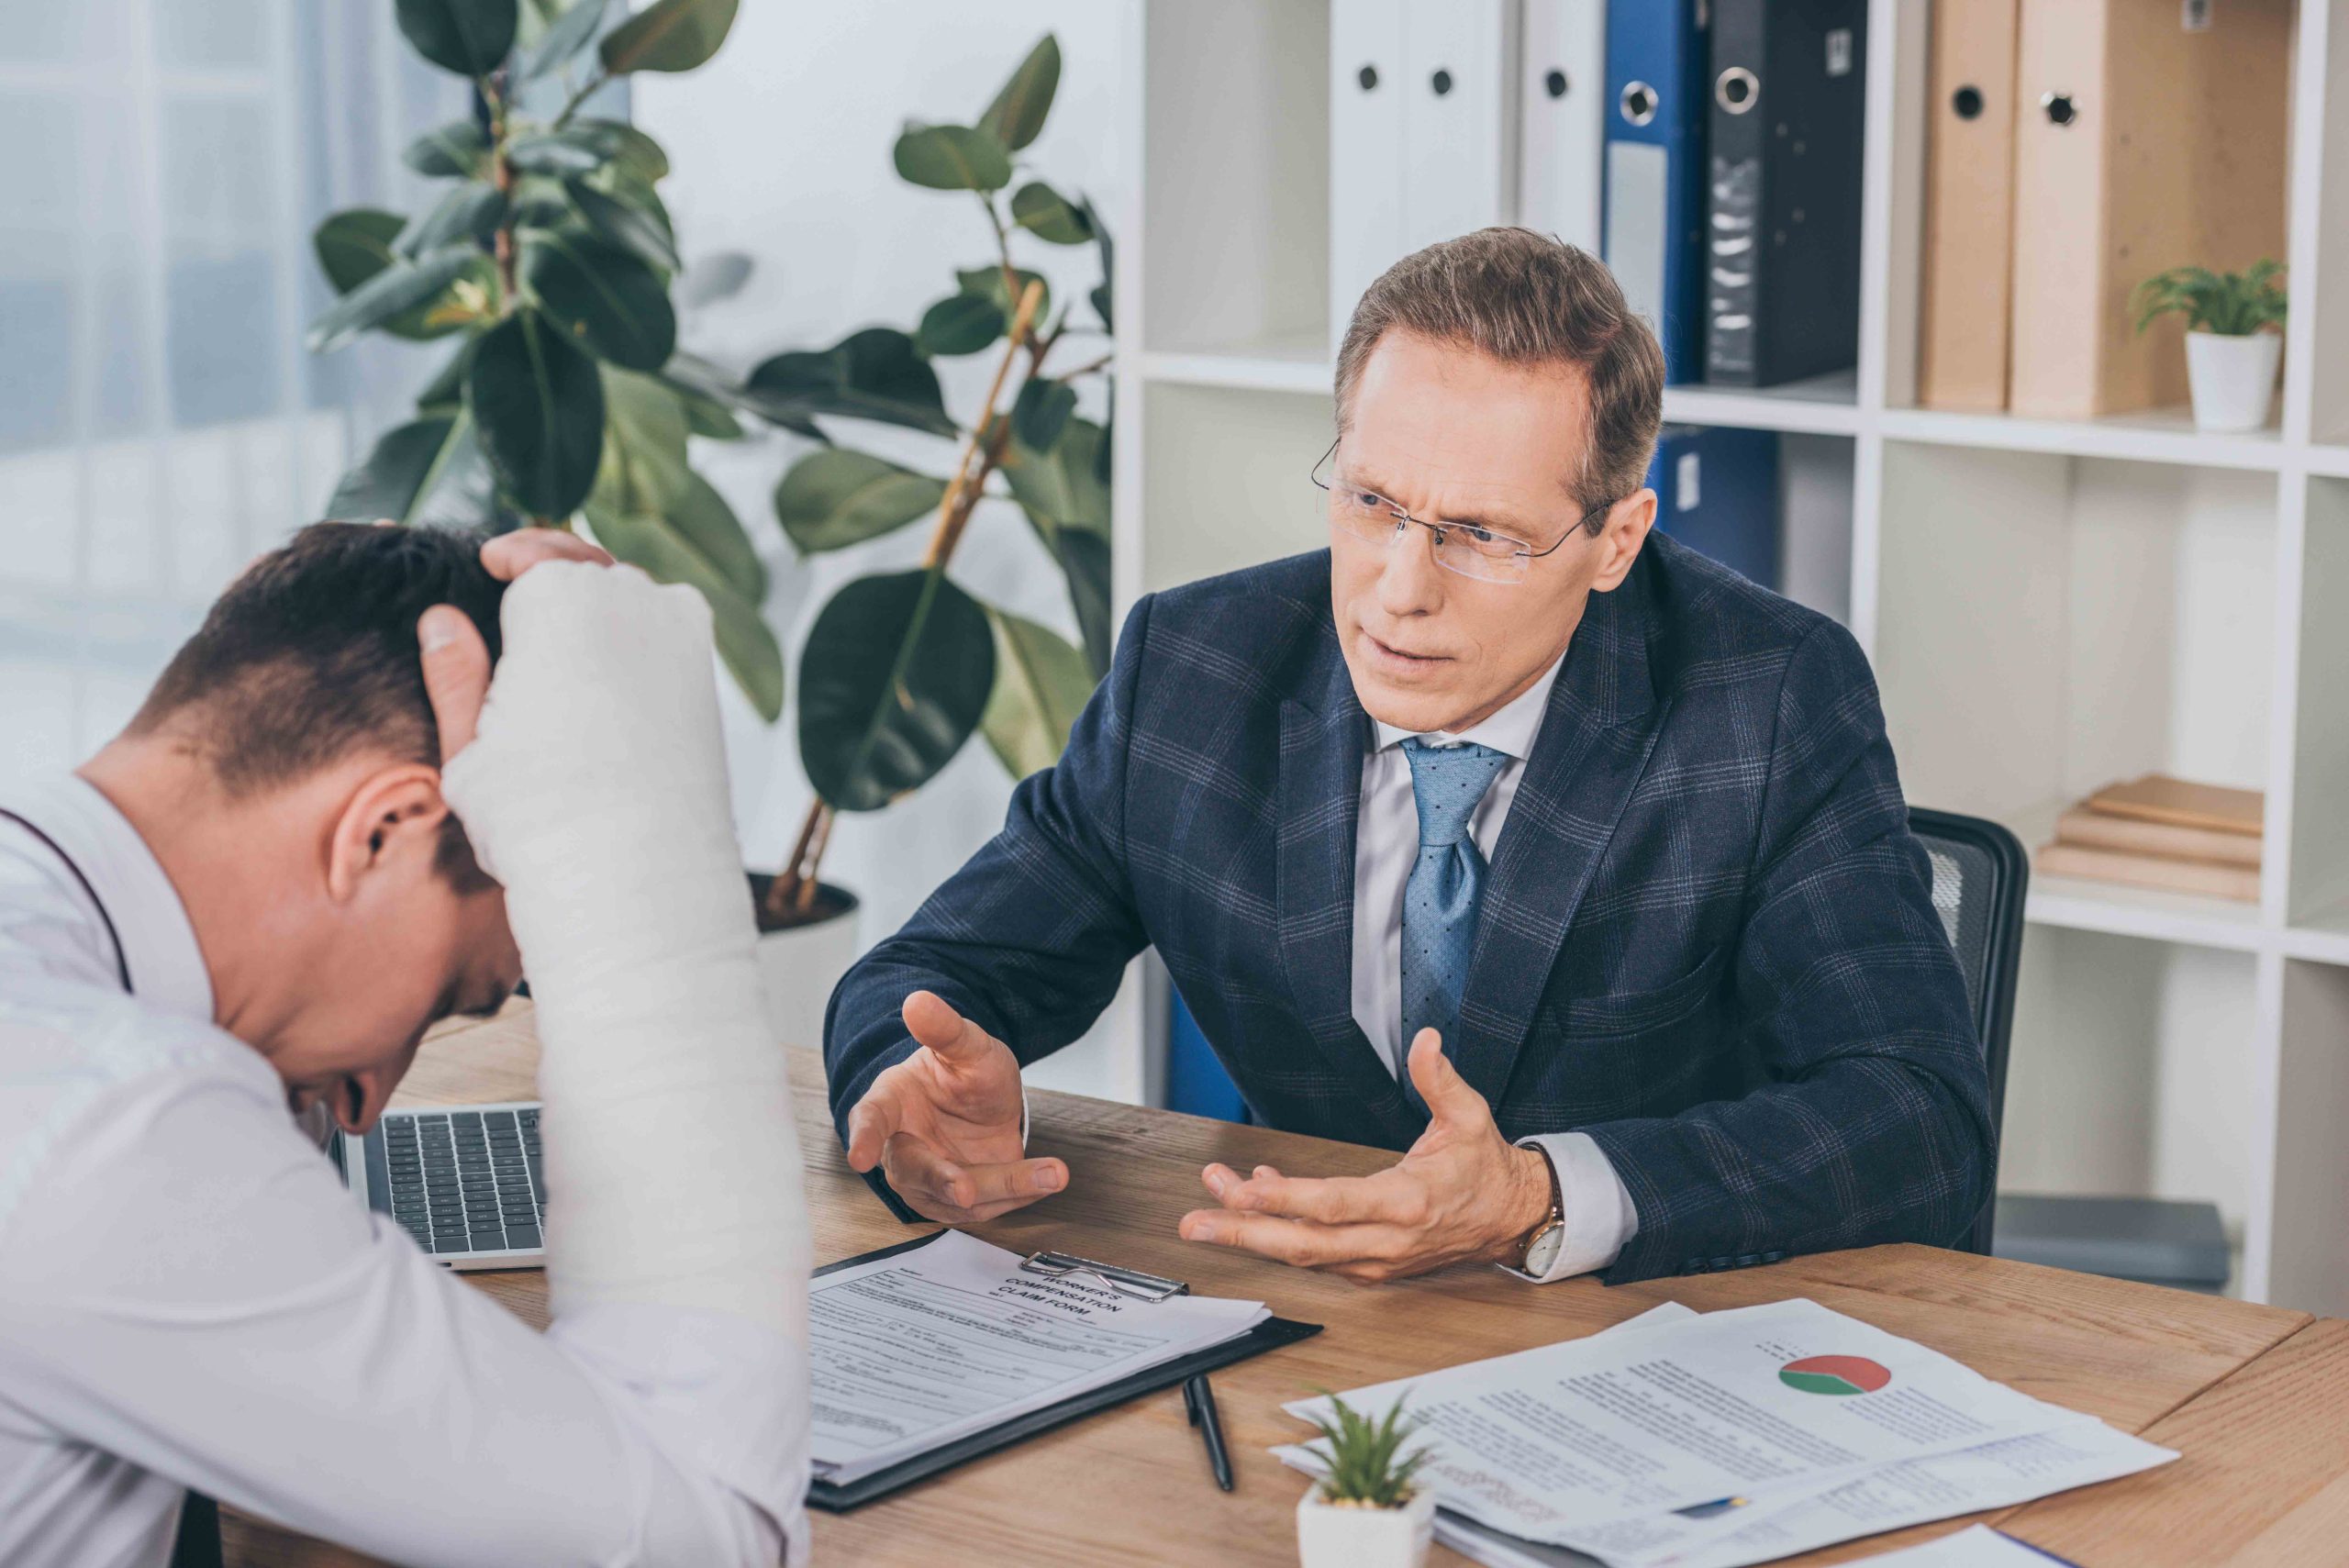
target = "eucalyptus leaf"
x: 1049, y: 216
x: 830, y: 500
x: 951, y: 157
x: 470, y: 213
x: 616, y: 182
x: 539, y: 404
x: 709, y: 525
x: 429, y: 473
x: 690, y: 376
x: 644, y: 463
x: 671, y: 35
x: 460, y: 148
x: 1084, y: 556
x: 705, y: 416
x: 564, y: 37
x: 745, y: 642
x: 1061, y: 488
x: 401, y: 287
x: 471, y: 37
x: 895, y: 674
x: 622, y: 224
x: 872, y: 374
x: 988, y: 283
x: 617, y: 142
x: 1041, y: 685
x: 1020, y: 107
x: 1042, y: 412
x: 959, y: 324
x: 605, y: 295
x: 355, y: 244
x: 553, y: 152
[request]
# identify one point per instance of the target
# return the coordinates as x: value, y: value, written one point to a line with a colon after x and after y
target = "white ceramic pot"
x: 800, y: 966
x: 2233, y: 379
x: 1331, y: 1537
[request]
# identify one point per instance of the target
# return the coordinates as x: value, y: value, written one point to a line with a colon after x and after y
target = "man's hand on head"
x: 943, y: 1125
x: 1462, y: 1193
x: 456, y: 661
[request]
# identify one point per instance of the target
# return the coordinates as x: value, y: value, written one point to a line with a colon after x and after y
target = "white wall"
x: 781, y: 148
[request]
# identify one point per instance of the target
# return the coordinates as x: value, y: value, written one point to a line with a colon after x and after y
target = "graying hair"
x: 1525, y: 298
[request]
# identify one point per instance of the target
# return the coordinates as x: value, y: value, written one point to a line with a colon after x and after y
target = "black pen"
x: 1200, y: 1400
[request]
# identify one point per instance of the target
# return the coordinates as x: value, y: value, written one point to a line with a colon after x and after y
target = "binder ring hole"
x: 1441, y: 82
x: 1554, y: 84
x: 1736, y: 89
x: 1638, y: 102
x: 2060, y: 108
x: 1967, y: 102
x: 1368, y: 77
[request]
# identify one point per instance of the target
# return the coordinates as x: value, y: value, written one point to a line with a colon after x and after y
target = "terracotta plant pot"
x: 2233, y: 378
x: 800, y: 962
x: 1329, y: 1535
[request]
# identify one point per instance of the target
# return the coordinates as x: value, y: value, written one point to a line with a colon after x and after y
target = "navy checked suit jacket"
x: 1708, y: 939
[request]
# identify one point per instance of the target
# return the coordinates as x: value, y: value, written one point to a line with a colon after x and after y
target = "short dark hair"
x: 311, y: 655
x: 1525, y: 298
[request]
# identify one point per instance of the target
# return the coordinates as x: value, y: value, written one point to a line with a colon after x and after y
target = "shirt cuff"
x: 1599, y: 1216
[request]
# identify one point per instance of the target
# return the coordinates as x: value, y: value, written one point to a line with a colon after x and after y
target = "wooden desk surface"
x: 1131, y: 1484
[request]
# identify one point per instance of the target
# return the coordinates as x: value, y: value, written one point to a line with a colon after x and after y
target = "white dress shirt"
x: 1599, y: 1216
x: 189, y: 1296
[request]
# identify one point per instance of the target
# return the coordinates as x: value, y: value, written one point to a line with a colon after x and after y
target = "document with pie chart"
x: 1661, y: 1439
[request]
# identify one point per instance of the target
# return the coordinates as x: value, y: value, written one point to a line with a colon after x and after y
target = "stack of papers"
x: 1680, y: 1441
x: 910, y: 1353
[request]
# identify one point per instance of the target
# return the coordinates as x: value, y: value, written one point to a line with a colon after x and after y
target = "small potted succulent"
x: 1368, y: 1511
x: 2233, y: 339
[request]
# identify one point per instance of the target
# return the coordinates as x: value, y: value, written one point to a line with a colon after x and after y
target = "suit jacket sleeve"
x: 1874, y: 1123
x: 1030, y: 938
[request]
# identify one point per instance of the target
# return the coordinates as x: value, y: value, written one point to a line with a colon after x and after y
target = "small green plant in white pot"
x: 1369, y: 1511
x: 2233, y: 338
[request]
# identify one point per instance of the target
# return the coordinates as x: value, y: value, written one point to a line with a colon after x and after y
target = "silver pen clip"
x: 1125, y: 1281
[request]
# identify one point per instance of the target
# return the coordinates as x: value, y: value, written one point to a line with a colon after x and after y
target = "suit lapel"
x: 1323, y: 741
x: 1596, y: 737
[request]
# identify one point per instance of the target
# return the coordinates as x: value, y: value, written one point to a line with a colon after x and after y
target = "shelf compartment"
x: 1228, y: 484
x: 2047, y: 625
x: 1236, y: 162
x: 2152, y: 435
x: 2309, y: 1269
x: 2320, y: 829
x: 2128, y: 1075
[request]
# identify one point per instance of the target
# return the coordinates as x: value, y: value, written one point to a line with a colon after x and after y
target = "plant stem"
x: 794, y: 885
x: 581, y: 97
x: 502, y: 177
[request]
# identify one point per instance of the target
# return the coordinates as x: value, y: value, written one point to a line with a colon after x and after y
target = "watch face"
x: 1543, y: 1253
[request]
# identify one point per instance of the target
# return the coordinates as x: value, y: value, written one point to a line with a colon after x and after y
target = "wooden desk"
x: 1131, y: 1484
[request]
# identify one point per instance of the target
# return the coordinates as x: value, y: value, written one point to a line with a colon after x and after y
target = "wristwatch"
x: 1543, y: 1242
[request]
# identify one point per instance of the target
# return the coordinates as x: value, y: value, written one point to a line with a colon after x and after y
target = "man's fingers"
x: 976, y: 1191
x: 951, y: 1036
x: 872, y: 1122
x: 1336, y: 1200
x: 1298, y: 1241
x: 1447, y: 1093
x: 456, y: 674
x: 508, y: 556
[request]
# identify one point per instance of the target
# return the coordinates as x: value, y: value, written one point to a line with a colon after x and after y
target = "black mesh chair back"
x: 1980, y: 873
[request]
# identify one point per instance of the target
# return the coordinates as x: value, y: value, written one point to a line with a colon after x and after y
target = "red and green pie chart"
x: 1834, y: 1374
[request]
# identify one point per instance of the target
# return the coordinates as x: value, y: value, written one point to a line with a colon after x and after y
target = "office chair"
x: 1980, y: 873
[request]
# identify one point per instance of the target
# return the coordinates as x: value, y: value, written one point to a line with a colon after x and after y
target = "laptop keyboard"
x: 466, y: 1181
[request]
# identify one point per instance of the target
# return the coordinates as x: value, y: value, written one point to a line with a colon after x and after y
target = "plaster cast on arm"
x: 596, y: 792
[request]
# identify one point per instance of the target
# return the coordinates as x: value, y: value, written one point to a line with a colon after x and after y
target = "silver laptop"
x: 465, y: 1181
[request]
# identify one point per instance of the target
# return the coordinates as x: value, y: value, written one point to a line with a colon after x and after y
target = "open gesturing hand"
x: 1462, y: 1193
x: 944, y: 1125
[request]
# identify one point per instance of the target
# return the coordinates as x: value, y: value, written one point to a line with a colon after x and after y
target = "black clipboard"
x: 833, y: 1497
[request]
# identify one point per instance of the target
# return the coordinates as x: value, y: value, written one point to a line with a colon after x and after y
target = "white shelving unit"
x: 2050, y: 606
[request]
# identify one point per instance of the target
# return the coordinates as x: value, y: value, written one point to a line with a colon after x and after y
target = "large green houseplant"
x: 548, y: 263
x: 901, y: 668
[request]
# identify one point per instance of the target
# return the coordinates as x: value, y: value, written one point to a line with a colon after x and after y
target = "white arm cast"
x: 596, y: 791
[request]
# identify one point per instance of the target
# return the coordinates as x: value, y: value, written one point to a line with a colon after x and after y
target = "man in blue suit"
x: 1562, y: 860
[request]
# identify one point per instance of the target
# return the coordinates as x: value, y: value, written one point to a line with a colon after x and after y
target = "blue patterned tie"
x: 1446, y: 891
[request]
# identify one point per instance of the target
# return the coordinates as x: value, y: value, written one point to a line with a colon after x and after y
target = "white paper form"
x: 912, y: 1351
x: 1556, y: 1444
